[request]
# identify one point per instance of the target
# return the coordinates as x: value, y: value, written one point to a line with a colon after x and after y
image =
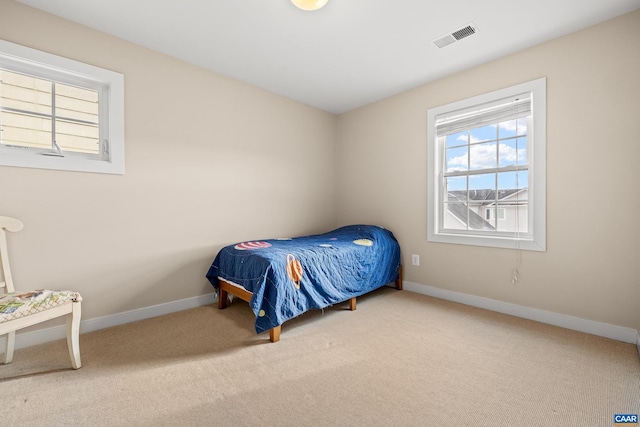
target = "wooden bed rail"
x: 223, y: 301
x: 226, y: 288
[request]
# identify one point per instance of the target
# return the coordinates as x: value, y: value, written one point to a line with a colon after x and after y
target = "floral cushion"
x: 20, y: 304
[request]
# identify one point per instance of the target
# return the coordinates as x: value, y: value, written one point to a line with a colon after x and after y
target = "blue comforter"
x: 290, y: 276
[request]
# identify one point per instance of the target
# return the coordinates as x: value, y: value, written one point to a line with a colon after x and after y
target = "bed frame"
x: 226, y: 288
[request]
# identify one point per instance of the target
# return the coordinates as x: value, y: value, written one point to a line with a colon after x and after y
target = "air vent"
x: 456, y: 35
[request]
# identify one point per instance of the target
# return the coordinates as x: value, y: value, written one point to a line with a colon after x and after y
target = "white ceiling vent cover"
x: 454, y: 36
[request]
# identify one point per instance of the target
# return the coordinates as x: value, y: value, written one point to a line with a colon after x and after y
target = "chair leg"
x: 73, y: 335
x: 9, y: 347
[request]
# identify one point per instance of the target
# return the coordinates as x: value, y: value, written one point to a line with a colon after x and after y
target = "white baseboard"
x: 618, y: 333
x: 28, y: 339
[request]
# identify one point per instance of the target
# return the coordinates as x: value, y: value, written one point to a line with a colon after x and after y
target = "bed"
x: 283, y: 278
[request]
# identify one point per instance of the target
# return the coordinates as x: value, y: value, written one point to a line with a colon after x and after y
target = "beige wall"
x: 209, y: 161
x: 591, y: 268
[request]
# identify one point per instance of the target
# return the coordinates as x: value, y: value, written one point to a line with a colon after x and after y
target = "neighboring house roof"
x: 483, y: 197
x: 486, y: 195
x: 467, y: 216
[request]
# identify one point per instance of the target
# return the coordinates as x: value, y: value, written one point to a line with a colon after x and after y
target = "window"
x: 56, y: 113
x: 487, y: 169
x: 490, y: 214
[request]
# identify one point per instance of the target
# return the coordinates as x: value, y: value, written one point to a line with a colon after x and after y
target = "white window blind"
x: 482, y: 115
x: 42, y: 113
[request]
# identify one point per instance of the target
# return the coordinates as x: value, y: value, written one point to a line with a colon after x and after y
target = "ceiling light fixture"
x: 309, y: 4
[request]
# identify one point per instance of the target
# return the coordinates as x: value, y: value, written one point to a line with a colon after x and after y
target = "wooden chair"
x: 26, y: 308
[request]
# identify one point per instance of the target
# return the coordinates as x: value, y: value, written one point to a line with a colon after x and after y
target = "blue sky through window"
x: 488, y: 147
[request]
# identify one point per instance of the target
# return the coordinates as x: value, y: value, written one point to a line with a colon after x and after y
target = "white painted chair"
x: 26, y: 308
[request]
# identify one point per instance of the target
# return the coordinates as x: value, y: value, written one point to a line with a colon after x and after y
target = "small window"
x: 56, y: 113
x: 487, y: 169
x: 490, y: 214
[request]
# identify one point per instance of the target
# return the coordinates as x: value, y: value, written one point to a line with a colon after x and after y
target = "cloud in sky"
x: 484, y: 156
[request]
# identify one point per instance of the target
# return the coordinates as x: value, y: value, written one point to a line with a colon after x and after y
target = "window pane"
x: 25, y: 130
x: 522, y: 126
x: 477, y: 221
x: 455, y: 206
x: 455, y: 215
x: 507, y: 129
x: 76, y: 103
x: 18, y: 91
x: 485, y: 181
x: 456, y: 184
x: 512, y: 181
x: 457, y: 139
x: 522, y: 151
x: 457, y: 159
x: 77, y: 137
x: 515, y: 217
x: 508, y: 154
x: 482, y: 191
x: 483, y: 156
x: 31, y: 126
x: 513, y: 199
x: 485, y: 133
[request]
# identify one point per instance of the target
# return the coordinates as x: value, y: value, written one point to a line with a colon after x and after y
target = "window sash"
x: 522, y: 230
x: 72, y: 134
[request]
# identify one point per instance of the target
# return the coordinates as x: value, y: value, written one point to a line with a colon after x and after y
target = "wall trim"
x: 606, y: 330
x: 619, y: 333
x: 41, y: 336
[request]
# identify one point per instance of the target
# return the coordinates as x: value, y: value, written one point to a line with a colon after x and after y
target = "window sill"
x: 487, y: 241
x: 69, y: 163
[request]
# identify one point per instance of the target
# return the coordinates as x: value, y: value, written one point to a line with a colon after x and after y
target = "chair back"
x: 6, y: 224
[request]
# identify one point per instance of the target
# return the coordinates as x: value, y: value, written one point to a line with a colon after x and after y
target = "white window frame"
x: 110, y: 88
x: 535, y: 239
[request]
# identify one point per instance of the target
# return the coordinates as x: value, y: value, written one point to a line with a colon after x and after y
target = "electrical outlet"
x: 415, y: 259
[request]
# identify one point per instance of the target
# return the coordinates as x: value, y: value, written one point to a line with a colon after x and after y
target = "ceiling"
x: 348, y: 54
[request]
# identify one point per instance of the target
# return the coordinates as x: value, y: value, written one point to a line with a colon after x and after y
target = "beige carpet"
x: 401, y: 359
